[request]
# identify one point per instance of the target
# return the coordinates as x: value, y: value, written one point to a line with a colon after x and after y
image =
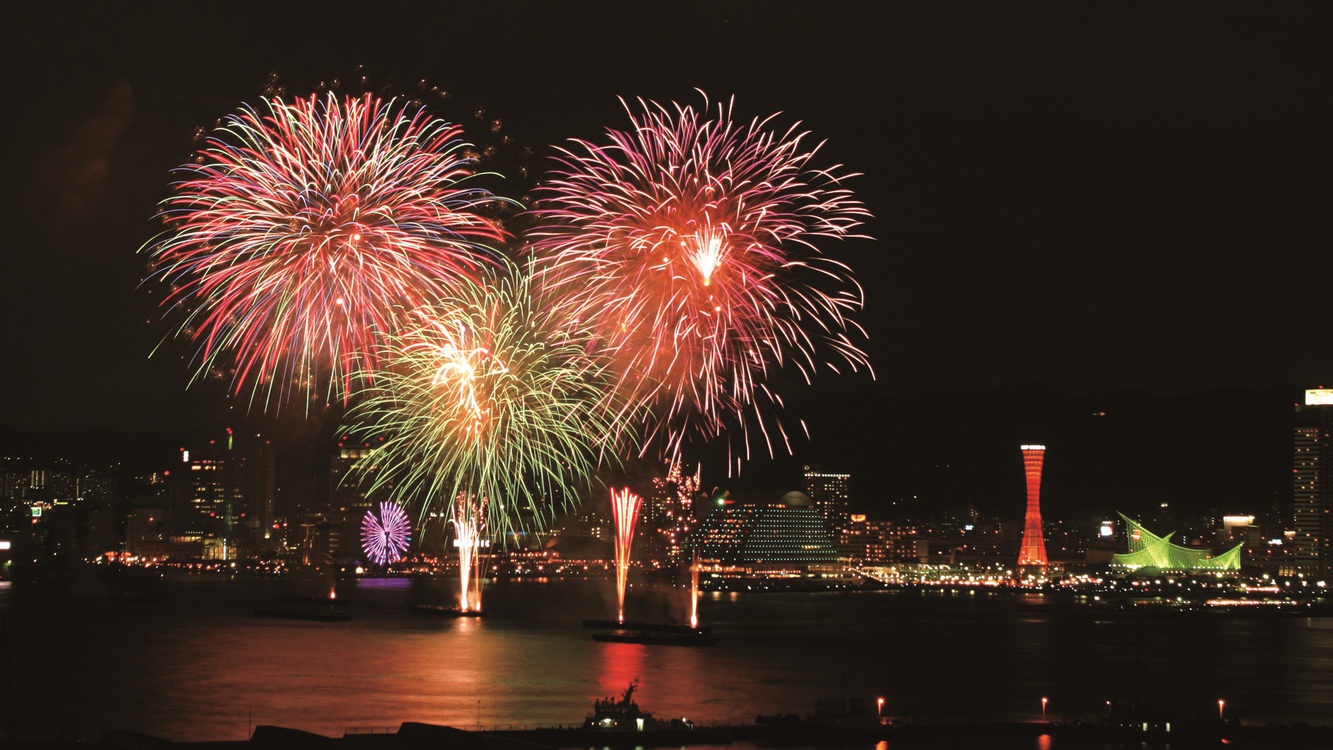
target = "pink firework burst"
x: 692, y: 238
x: 305, y: 230
x: 386, y: 535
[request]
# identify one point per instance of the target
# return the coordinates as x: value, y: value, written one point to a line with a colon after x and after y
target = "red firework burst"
x: 693, y: 240
x: 304, y: 230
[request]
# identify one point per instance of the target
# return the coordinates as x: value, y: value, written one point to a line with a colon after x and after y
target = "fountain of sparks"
x: 694, y: 591
x: 469, y: 522
x: 624, y: 512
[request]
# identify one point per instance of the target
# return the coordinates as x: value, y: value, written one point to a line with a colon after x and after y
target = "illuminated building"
x: 1033, y: 550
x: 224, y: 494
x: 786, y: 538
x: 831, y: 495
x: 209, y: 495
x: 669, y: 512
x: 352, y: 472
x: 1147, y: 550
x: 1312, y: 493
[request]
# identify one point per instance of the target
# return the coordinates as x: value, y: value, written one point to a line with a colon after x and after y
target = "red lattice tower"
x: 1033, y: 551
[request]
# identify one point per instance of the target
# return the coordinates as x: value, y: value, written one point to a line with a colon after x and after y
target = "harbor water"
x: 185, y: 658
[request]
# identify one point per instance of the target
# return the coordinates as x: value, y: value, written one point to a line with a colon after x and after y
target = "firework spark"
x: 305, y: 230
x: 385, y: 535
x: 625, y: 513
x: 496, y: 398
x: 692, y: 239
x: 694, y: 590
x: 469, y: 521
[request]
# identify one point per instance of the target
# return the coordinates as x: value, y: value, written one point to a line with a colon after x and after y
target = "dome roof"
x: 796, y: 499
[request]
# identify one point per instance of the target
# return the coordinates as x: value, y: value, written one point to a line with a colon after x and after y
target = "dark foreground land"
x: 414, y: 736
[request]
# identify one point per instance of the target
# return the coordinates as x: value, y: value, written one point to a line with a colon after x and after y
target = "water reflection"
x: 194, y: 663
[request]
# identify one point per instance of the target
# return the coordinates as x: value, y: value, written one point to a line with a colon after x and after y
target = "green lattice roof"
x: 1147, y: 550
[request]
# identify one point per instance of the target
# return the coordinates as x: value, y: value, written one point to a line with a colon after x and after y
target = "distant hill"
x: 149, y: 451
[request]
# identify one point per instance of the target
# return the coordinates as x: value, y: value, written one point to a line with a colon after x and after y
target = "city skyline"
x: 1098, y: 229
x: 1224, y: 450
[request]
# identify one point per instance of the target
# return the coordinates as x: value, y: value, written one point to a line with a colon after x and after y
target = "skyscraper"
x: 1033, y: 551
x: 1312, y: 493
x: 831, y: 494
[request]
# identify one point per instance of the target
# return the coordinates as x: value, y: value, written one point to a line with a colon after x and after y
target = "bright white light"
x: 1319, y: 397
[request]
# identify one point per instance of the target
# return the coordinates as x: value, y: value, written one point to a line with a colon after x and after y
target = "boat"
x: 296, y: 613
x: 443, y: 611
x: 651, y: 638
x: 306, y: 599
x: 644, y: 626
x: 133, y: 597
x: 624, y: 715
x: 619, y: 723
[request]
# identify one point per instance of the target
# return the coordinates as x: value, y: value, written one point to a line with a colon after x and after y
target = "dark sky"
x: 1089, y: 196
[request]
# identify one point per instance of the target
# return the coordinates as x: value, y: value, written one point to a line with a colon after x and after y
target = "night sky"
x: 1088, y: 197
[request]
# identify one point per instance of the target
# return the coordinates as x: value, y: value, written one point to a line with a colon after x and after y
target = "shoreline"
x: 865, y: 733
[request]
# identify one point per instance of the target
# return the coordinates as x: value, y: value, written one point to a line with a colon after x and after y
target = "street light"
x: 1043, y: 708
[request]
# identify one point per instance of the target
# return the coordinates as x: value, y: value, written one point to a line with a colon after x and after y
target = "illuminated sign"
x: 1319, y: 397
x: 1107, y: 530
x: 4, y: 545
x: 36, y: 511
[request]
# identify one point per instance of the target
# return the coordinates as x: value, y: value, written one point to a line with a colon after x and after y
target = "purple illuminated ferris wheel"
x: 385, y: 536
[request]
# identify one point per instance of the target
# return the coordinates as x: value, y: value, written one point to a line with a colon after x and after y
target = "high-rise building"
x: 352, y: 473
x: 352, y: 470
x: 1033, y: 550
x: 1312, y: 493
x: 669, y: 512
x: 222, y: 493
x: 784, y: 538
x: 209, y: 496
x: 831, y: 494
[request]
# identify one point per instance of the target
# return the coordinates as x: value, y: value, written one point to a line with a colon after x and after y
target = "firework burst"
x: 305, y: 230
x: 386, y: 535
x: 692, y: 238
x: 497, y: 398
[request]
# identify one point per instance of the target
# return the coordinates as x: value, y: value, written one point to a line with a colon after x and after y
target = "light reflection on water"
x: 196, y: 664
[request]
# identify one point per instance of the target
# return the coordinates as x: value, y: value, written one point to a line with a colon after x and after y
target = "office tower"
x: 1033, y: 551
x: 353, y: 471
x: 1312, y: 494
x: 209, y: 496
x: 831, y: 494
x: 669, y: 512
